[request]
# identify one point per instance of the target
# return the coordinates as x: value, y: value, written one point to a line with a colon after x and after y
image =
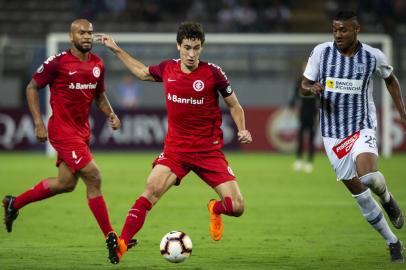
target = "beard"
x: 81, y: 48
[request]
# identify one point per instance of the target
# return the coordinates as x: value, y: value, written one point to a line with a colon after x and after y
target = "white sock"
x: 374, y: 215
x: 376, y: 182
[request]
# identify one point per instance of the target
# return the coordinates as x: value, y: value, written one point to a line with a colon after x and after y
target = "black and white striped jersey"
x: 347, y: 103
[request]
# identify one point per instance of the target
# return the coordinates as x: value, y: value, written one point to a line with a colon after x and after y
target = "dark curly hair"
x: 345, y: 15
x: 190, y: 30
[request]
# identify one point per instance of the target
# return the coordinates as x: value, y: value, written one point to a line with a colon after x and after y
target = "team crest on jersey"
x: 198, y: 85
x: 359, y: 68
x: 40, y: 69
x: 96, y: 72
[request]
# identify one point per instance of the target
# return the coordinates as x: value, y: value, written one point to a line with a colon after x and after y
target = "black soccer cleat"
x: 10, y: 213
x: 112, y: 245
x: 396, y: 252
x: 394, y: 213
x: 132, y: 243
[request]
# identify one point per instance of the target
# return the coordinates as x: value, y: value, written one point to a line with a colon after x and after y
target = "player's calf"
x: 394, y: 213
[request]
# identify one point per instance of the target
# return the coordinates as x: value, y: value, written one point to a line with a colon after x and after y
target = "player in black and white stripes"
x: 340, y: 72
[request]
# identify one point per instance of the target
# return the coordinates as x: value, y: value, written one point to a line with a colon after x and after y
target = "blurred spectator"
x: 237, y: 17
x: 197, y: 11
x: 400, y: 10
x: 116, y: 7
x: 88, y: 9
x: 152, y: 11
x: 225, y: 17
x: 128, y: 93
x: 379, y: 14
x: 278, y: 16
x: 245, y: 16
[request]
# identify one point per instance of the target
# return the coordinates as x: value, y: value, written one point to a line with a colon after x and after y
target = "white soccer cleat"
x: 298, y: 165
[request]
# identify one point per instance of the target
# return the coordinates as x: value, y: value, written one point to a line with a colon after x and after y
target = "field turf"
x: 292, y: 220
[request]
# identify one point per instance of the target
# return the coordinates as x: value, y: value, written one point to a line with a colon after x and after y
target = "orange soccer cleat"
x: 116, y: 247
x: 216, y: 224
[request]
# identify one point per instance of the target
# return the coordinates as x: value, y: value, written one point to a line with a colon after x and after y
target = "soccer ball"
x: 176, y: 246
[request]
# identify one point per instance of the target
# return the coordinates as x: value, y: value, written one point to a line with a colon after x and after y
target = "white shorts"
x: 342, y: 153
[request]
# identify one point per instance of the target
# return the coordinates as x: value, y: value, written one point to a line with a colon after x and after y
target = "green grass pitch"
x: 292, y: 220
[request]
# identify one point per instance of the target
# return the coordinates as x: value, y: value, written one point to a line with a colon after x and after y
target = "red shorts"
x: 210, y: 166
x: 76, y: 154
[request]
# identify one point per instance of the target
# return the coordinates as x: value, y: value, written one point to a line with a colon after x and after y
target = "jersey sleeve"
x: 313, y: 63
x: 221, y: 82
x: 46, y: 73
x: 157, y: 71
x: 383, y: 68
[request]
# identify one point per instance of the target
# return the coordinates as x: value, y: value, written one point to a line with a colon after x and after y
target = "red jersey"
x: 194, y: 116
x: 73, y: 85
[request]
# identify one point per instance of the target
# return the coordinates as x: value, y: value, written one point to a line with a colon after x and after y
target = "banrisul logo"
x: 82, y: 86
x: 181, y: 100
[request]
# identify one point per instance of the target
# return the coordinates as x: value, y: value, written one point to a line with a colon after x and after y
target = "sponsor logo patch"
x: 344, y: 86
x: 82, y: 86
x: 345, y: 146
x: 190, y: 100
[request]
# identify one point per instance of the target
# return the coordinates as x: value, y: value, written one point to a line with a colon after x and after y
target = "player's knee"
x: 375, y: 181
x: 67, y: 187
x: 93, y: 180
x: 153, y: 191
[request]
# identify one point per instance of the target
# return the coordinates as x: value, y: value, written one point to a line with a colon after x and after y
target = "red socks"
x: 135, y: 218
x: 226, y: 208
x: 99, y: 210
x: 38, y: 192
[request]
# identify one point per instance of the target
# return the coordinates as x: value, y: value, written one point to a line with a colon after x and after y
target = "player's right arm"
x: 137, y: 68
x: 309, y: 84
x: 311, y: 87
x: 33, y: 104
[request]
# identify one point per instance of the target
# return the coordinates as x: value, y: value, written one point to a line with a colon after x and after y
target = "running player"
x: 76, y: 78
x: 194, y: 139
x: 340, y: 72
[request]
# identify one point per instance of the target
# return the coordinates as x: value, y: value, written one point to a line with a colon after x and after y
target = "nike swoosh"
x: 72, y: 72
x: 171, y: 80
x: 78, y: 160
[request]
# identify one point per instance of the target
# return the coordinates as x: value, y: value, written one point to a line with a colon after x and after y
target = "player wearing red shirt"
x: 76, y: 78
x: 194, y: 138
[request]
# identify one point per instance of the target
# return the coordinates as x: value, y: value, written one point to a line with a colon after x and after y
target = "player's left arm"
x: 393, y: 85
x: 237, y: 113
x: 103, y: 104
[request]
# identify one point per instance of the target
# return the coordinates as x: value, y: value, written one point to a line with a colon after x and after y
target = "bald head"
x: 80, y: 23
x: 80, y: 34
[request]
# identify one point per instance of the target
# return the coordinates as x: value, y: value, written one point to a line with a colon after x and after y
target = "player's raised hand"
x: 114, y: 121
x: 106, y: 40
x: 244, y: 136
x: 41, y: 133
x: 317, y: 88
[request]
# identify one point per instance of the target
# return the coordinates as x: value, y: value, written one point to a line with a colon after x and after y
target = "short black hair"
x: 345, y: 15
x: 190, y: 30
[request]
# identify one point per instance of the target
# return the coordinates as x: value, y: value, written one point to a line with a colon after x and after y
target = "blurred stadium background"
x: 263, y: 75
